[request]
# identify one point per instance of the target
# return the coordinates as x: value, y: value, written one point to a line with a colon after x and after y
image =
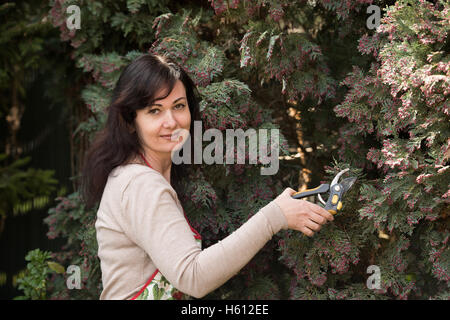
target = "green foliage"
x: 108, y: 26
x: 33, y: 281
x: 20, y: 189
x: 70, y: 220
x: 22, y: 43
x: 400, y: 103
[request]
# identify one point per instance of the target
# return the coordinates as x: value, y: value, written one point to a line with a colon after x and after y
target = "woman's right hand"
x: 302, y: 215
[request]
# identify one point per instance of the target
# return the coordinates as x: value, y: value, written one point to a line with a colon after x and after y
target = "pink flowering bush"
x: 396, y: 140
x: 402, y: 103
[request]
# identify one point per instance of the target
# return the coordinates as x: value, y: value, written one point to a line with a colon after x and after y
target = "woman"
x: 147, y: 248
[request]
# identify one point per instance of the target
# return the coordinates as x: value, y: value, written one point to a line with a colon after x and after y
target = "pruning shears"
x: 336, y: 192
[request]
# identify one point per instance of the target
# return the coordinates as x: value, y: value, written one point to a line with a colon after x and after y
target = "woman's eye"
x: 156, y: 110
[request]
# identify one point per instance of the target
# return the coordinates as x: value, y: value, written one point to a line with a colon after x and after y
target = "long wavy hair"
x: 117, y: 143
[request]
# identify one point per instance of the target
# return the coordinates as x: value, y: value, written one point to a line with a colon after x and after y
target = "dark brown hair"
x: 136, y: 88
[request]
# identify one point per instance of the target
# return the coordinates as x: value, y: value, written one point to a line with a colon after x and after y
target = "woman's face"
x: 157, y: 125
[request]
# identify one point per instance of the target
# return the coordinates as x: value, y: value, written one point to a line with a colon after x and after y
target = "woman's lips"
x: 169, y: 137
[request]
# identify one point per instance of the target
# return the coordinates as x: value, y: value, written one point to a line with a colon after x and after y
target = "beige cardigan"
x: 141, y: 227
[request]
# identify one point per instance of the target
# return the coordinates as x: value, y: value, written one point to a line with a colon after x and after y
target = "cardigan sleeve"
x: 154, y: 222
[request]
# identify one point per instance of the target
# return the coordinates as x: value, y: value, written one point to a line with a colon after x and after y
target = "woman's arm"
x: 156, y: 224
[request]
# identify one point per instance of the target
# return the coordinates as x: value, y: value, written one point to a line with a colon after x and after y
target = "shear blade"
x: 336, y: 178
x: 347, y: 183
x: 321, y: 200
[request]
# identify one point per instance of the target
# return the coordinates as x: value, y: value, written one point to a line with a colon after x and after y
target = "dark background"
x: 45, y: 124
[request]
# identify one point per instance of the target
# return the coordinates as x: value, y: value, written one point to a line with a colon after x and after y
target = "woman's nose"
x: 169, y: 120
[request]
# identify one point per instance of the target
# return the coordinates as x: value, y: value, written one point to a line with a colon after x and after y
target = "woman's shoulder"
x: 137, y: 176
x: 133, y: 178
x: 130, y: 169
x: 127, y: 173
x: 142, y: 182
